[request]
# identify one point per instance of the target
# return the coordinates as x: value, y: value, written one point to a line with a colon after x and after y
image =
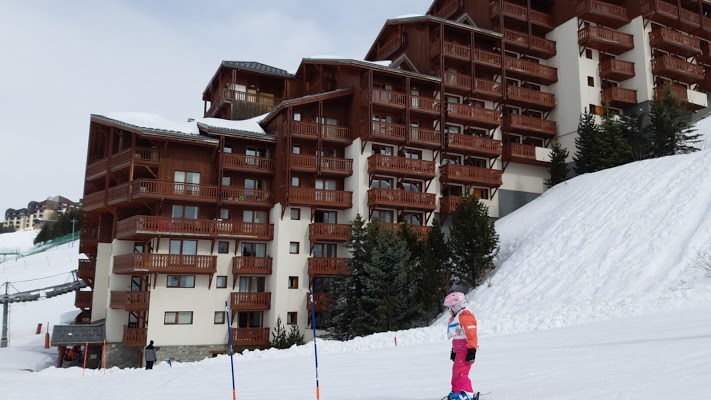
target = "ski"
x: 477, y: 396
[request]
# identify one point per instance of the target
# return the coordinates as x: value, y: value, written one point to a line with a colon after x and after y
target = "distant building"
x: 38, y: 212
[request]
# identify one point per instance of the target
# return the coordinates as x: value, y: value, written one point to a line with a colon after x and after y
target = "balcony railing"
x: 540, y: 46
x: 251, y: 265
x: 660, y: 11
x: 425, y: 104
x: 459, y: 51
x: 83, y: 299
x: 448, y: 204
x: 317, y: 197
x: 602, y: 13
x: 531, y: 71
x: 526, y: 154
x: 487, y: 58
x: 327, y: 266
x: 262, y: 102
x: 332, y: 133
x: 389, y: 98
x: 388, y: 132
x: 247, y: 197
x: 674, y: 42
x: 96, y: 169
x: 135, y: 337
x: 470, y: 175
x: 521, y: 13
x: 619, y: 97
x: 319, y: 232
x: 329, y: 165
x: 420, y: 231
x: 401, y: 166
x: 144, y: 188
x: 474, y: 145
x: 482, y: 116
x: 487, y: 89
x: 166, y: 226
x: 677, y: 69
x: 130, y: 301
x: 136, y: 263
x: 87, y: 270
x: 118, y: 194
x: 607, y: 40
x: 529, y: 125
x: 402, y: 199
x: 251, y: 301
x: 531, y: 98
x: 427, y: 138
x: 616, y: 70
x: 252, y: 164
x: 248, y: 337
x: 94, y: 201
x: 458, y: 81
x: 322, y: 302
x: 389, y: 47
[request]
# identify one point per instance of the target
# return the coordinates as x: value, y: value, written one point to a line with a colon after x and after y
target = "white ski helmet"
x: 455, y: 301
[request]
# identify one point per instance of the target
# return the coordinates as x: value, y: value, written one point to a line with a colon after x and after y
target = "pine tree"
x: 434, y: 273
x: 636, y: 136
x: 473, y: 241
x: 613, y: 148
x: 295, y: 337
x: 670, y: 130
x: 558, y: 169
x: 586, y: 144
x: 279, y: 336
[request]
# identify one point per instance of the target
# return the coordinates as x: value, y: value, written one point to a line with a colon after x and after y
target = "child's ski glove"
x: 471, y: 355
x: 452, y: 355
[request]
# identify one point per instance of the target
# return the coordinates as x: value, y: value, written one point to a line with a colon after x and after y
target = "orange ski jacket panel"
x: 464, y: 327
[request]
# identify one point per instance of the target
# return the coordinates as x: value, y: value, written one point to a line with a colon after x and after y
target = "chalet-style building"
x: 251, y: 204
x: 38, y: 212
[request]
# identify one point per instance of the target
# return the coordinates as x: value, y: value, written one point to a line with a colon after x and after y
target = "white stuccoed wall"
x: 104, y: 265
x: 641, y: 56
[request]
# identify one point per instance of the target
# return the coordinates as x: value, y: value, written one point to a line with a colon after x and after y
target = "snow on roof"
x: 247, y: 125
x: 408, y: 16
x: 154, y: 121
x: 385, y: 63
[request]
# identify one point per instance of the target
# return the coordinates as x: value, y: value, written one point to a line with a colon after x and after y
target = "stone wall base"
x: 118, y: 355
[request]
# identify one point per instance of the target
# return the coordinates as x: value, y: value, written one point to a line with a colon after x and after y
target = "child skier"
x: 462, y: 331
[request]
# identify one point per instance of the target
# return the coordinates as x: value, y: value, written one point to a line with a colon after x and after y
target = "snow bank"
x: 21, y: 240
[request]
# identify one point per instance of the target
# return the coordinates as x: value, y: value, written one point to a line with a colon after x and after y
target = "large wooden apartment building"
x: 251, y: 205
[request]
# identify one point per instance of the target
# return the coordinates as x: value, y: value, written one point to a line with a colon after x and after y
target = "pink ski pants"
x: 461, y: 368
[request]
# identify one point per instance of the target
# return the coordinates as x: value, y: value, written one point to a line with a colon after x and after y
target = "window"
x: 412, y: 186
x: 252, y: 284
x: 185, y: 247
x: 189, y: 212
x: 478, y: 162
x: 178, y: 318
x: 324, y: 250
x: 325, y: 184
x: 451, y: 159
x: 223, y: 247
x: 136, y: 284
x: 591, y: 81
x: 249, y: 319
x: 224, y: 213
x: 293, y: 282
x: 384, y: 216
x: 322, y: 284
x: 296, y: 149
x: 295, y: 181
x: 254, y: 249
x: 219, y: 317
x: 138, y: 247
x: 291, y: 318
x: 453, y: 129
x: 226, y: 181
x: 254, y: 184
x: 181, y: 281
x: 227, y: 149
x: 413, y: 154
x: 295, y: 214
x: 477, y: 103
x: 221, y: 282
x: 413, y: 218
x: 452, y: 191
x: 297, y: 116
x: 257, y: 152
x: 294, y: 248
x: 325, y: 217
x: 383, y: 150
x: 588, y: 54
x: 482, y: 193
x: 187, y: 182
x: 381, y: 183
x: 255, y: 217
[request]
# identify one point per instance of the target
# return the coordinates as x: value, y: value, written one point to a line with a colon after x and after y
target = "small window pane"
x: 226, y: 181
x: 175, y: 246
x: 185, y: 317
x: 295, y: 214
x: 219, y: 317
x: 169, y: 318
x: 173, y: 281
x: 191, y: 212
x: 221, y: 282
x: 177, y: 211
x: 294, y: 248
x: 295, y: 182
x: 291, y: 318
x: 187, y: 281
x: 293, y: 282
x: 223, y: 247
x: 190, y: 247
x: 224, y: 213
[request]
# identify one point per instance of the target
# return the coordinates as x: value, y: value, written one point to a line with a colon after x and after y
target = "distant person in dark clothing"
x: 150, y: 355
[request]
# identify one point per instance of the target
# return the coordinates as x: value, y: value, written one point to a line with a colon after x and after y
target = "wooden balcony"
x: 448, y: 204
x: 251, y: 265
x: 387, y: 132
x: 142, y: 156
x: 697, y: 102
x: 677, y: 69
x: 482, y: 88
x: 251, y: 301
x: 537, y: 46
x: 488, y: 90
x: 448, y: 9
x: 328, y: 133
x: 529, y: 98
x: 258, y: 103
x: 87, y: 271
x: 616, y: 70
x: 531, y: 126
x: 336, y: 199
x: 660, y: 11
x: 425, y: 105
x: 526, y: 154
x: 530, y: 71
x: 327, y: 266
x: 320, y: 232
x: 458, y: 82
x: 250, y: 337
x: 674, y: 42
x: 96, y: 169
x: 245, y: 163
x: 89, y: 240
x: 420, y: 231
x: 389, y: 98
x: 322, y: 302
x: 619, y: 97
x: 135, y: 337
x: 94, y: 201
x: 390, y: 47
x: 145, y: 263
x: 83, y: 299
x: 401, y: 199
x: 458, y: 51
x: 474, y: 145
x: 159, y: 190
x: 247, y: 197
x: 118, y: 194
x: 130, y: 301
x: 453, y: 173
x: 471, y: 115
x: 401, y: 166
x: 146, y: 227
x: 485, y: 58
x: 426, y: 138
x: 329, y: 166
x: 520, y: 13
x: 602, y: 13
x: 607, y: 40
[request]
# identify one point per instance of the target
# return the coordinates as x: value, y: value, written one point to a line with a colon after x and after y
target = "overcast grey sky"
x: 61, y: 61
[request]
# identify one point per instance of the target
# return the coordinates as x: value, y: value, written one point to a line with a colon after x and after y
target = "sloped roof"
x: 257, y: 67
x: 307, y: 99
x: 151, y: 124
x: 67, y: 335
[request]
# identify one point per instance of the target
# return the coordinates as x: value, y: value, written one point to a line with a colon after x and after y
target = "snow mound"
x: 704, y: 128
x: 21, y: 240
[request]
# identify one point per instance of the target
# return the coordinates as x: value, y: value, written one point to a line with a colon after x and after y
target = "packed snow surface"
x: 18, y: 240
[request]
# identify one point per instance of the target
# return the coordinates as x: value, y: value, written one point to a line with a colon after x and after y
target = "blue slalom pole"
x: 313, y: 325
x: 232, y: 362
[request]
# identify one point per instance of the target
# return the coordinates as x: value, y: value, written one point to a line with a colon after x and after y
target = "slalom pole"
x: 232, y: 363
x: 86, y: 350
x: 313, y: 325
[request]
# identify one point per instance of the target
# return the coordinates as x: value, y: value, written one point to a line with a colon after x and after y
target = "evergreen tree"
x: 279, y: 336
x: 44, y: 234
x: 387, y: 286
x: 7, y: 229
x: 295, y: 337
x: 586, y: 145
x: 636, y: 136
x: 434, y: 273
x: 670, y: 130
x: 473, y: 241
x: 614, y: 150
x: 558, y: 169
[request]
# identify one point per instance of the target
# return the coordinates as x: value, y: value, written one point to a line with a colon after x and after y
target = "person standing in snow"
x: 150, y: 355
x: 462, y: 331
